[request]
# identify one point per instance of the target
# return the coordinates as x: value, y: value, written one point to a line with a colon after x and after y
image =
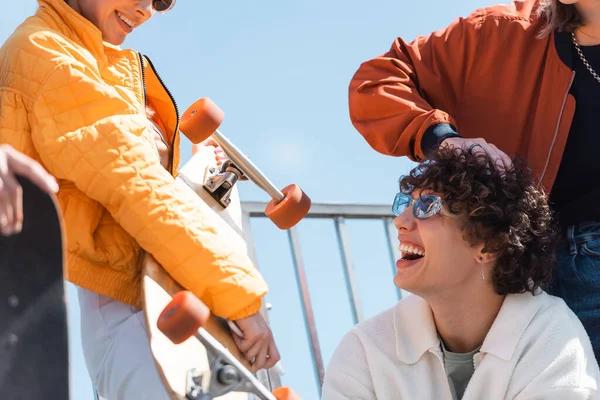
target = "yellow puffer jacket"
x: 76, y: 104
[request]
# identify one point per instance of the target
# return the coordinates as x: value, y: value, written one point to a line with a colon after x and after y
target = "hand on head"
x: 479, y: 146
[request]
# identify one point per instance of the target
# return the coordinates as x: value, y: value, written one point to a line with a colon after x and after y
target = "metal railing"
x: 338, y: 214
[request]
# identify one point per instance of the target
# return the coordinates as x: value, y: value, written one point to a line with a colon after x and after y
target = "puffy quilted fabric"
x: 76, y: 104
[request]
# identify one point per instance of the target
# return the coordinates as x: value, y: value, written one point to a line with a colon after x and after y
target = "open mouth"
x: 410, y: 252
x: 126, y: 20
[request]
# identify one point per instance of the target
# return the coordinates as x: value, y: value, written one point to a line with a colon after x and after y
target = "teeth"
x: 127, y: 21
x: 407, y: 248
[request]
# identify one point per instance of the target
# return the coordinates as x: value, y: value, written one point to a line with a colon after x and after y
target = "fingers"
x: 238, y: 340
x: 249, y: 348
x: 5, y: 210
x: 210, y: 142
x: 488, y: 150
x: 273, y: 354
x: 18, y: 209
x: 259, y: 355
x: 255, y: 350
x: 496, y: 157
x: 504, y: 160
x: 11, y: 200
x: 19, y: 163
x: 266, y: 357
x: 15, y: 198
x: 220, y: 156
x: 263, y: 355
x: 257, y: 344
x: 242, y: 344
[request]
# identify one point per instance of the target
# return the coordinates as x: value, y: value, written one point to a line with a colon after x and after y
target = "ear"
x: 482, y: 256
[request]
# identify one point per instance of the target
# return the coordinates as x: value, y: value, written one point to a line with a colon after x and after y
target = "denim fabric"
x: 577, y: 276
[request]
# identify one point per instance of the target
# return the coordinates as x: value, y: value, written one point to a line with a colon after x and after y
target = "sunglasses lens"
x: 163, y: 5
x: 427, y: 205
x: 401, y: 203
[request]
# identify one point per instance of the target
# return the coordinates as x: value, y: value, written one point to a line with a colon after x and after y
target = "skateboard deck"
x: 158, y: 288
x: 34, y: 356
x: 216, y: 187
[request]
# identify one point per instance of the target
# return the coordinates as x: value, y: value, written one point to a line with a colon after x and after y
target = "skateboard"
x: 197, y: 358
x: 34, y: 356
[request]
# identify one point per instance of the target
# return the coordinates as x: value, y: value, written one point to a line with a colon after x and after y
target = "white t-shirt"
x: 459, y: 370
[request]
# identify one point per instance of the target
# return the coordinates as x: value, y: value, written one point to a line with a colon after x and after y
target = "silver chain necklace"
x: 583, y: 59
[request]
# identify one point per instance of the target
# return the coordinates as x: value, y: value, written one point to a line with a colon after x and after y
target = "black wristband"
x: 435, y: 135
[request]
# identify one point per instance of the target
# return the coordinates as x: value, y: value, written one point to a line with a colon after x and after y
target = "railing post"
x: 340, y: 228
x: 309, y: 317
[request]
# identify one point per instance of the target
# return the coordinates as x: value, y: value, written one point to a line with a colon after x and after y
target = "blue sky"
x: 280, y: 71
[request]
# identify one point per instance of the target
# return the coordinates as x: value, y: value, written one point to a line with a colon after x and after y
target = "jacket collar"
x: 416, y: 332
x: 415, y: 329
x: 60, y: 16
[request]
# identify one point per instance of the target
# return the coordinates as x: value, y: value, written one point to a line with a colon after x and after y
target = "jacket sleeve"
x: 406, y: 97
x: 348, y: 375
x: 87, y: 134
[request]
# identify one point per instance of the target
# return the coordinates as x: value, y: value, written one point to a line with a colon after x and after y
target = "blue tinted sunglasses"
x: 424, y: 206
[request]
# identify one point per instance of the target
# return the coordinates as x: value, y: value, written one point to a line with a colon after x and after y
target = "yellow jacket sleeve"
x: 87, y: 134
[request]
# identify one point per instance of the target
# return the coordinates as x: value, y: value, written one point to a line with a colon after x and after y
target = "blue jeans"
x: 577, y: 276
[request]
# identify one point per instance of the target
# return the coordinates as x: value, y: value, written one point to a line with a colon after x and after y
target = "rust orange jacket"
x: 487, y: 75
x: 77, y: 105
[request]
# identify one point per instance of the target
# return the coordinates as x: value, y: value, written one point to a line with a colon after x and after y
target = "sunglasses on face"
x: 424, y: 206
x: 162, y: 6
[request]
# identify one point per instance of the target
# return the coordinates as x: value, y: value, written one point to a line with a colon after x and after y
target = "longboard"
x: 158, y: 288
x: 188, y: 369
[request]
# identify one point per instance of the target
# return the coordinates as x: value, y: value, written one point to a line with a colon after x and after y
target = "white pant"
x: 116, y: 349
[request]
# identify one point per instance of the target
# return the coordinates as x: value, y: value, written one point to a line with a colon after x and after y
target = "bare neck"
x: 588, y: 33
x: 464, y: 317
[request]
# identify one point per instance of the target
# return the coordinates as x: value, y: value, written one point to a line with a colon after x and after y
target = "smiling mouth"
x: 410, y: 252
x: 127, y: 21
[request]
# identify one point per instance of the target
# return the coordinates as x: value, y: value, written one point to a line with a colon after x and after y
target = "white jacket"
x: 536, y: 349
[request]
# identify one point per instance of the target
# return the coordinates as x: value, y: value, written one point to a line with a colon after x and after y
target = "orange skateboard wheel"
x: 200, y: 120
x: 289, y: 211
x: 285, y: 393
x: 182, y: 317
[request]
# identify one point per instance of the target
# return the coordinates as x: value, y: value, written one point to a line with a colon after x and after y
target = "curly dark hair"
x: 507, y: 211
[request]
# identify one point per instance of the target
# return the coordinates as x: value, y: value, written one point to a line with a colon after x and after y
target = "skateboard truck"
x: 226, y: 374
x: 182, y: 319
x: 219, y: 181
x: 288, y: 205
